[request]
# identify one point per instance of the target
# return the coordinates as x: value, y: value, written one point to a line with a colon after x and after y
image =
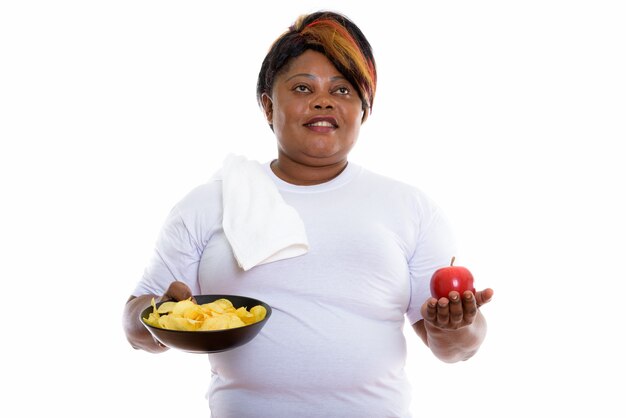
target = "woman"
x: 334, y: 345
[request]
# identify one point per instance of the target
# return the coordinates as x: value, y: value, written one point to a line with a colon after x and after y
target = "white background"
x: 510, y: 114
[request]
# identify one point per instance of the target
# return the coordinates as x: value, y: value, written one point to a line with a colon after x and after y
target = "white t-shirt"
x: 334, y: 345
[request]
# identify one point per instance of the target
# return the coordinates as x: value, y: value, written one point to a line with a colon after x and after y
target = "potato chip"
x: 179, y: 323
x: 259, y: 312
x: 219, y: 306
x: 246, y: 316
x: 214, y: 323
x: 234, y: 321
x: 194, y: 312
x: 166, y: 307
x: 182, y: 306
x: 153, y: 319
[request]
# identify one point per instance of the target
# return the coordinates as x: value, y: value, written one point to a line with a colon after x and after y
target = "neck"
x: 305, y: 175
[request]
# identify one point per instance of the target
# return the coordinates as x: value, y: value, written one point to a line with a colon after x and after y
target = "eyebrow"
x: 312, y: 77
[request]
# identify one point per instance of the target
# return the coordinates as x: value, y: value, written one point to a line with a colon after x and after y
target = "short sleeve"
x: 434, y: 249
x: 181, y: 242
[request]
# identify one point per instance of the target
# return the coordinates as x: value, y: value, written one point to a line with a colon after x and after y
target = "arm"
x: 454, y: 328
x: 136, y: 333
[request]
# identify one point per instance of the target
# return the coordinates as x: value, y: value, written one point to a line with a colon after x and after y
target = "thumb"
x: 177, y: 291
x: 484, y: 296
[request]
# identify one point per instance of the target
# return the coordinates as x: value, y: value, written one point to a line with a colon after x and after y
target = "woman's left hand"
x: 456, y: 311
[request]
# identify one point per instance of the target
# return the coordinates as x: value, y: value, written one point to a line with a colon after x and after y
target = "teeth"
x: 322, y: 123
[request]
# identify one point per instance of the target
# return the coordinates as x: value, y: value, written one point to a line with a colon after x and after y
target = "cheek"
x: 356, y: 128
x: 280, y: 121
x: 356, y: 119
x: 283, y: 114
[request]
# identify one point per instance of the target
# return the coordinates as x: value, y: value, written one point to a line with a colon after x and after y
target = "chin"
x: 324, y: 157
x: 327, y: 151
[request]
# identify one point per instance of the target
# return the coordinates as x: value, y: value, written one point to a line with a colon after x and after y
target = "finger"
x: 178, y: 291
x: 470, y: 307
x: 443, y: 311
x: 484, y: 297
x: 455, y: 309
x: 163, y: 298
x: 429, y: 310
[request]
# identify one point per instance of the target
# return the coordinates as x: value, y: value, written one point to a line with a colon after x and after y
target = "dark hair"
x: 333, y: 35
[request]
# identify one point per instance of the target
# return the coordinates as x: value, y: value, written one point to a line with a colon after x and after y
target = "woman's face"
x: 315, y: 112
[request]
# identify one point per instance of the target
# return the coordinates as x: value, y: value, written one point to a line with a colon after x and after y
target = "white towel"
x: 259, y: 225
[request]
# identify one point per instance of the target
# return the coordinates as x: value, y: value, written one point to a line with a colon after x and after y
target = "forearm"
x: 452, y: 346
x: 136, y: 333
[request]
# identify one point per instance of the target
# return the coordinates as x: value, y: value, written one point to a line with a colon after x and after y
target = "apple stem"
x: 452, y: 261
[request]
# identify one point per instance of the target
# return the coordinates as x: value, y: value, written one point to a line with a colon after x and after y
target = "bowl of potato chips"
x: 206, y: 323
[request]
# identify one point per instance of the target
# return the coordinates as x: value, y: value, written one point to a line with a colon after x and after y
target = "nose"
x: 323, y: 101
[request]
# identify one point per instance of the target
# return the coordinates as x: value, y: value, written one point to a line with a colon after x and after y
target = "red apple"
x: 447, y: 279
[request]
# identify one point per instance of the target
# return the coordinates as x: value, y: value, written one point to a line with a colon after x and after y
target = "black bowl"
x: 210, y: 341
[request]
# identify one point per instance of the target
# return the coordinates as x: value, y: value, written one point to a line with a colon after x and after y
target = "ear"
x: 268, y: 108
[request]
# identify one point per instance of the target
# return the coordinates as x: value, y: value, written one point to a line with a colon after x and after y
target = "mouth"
x: 324, y: 122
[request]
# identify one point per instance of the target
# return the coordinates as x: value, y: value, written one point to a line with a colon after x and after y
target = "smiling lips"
x: 322, y: 124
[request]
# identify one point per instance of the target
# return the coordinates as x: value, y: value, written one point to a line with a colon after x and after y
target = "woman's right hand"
x: 176, y: 291
x: 136, y: 333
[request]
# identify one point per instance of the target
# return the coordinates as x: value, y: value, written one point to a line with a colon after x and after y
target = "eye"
x: 301, y: 88
x: 342, y: 91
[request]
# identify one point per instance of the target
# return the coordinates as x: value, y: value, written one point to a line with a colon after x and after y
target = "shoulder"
x: 201, y: 197
x: 397, y: 191
x: 200, y: 209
